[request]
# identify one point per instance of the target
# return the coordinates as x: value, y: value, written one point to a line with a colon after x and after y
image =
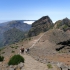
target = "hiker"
x: 27, y: 50
x: 22, y: 50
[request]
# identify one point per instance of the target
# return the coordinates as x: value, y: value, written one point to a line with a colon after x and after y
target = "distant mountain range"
x: 17, y: 26
x: 16, y: 30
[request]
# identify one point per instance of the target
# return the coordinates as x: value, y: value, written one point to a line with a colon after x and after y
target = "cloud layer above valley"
x: 28, y: 22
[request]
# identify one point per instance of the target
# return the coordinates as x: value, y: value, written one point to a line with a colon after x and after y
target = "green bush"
x: 3, y: 52
x: 0, y: 49
x: 16, y: 59
x: 29, y: 38
x: 13, y: 51
x: 49, y: 66
x: 1, y: 58
x: 16, y: 47
x: 12, y: 46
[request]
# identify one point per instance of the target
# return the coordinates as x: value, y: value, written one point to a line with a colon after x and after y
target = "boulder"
x: 20, y: 65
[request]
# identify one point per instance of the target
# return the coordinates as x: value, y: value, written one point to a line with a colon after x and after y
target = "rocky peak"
x: 62, y: 24
x: 41, y: 25
x: 66, y: 21
x: 43, y: 20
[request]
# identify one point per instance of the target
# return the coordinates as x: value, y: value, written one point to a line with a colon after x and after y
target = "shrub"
x: 3, y: 52
x: 13, y: 51
x: 12, y: 47
x: 29, y: 38
x: 16, y: 59
x: 1, y: 58
x: 49, y: 66
x: 16, y: 47
x: 0, y: 49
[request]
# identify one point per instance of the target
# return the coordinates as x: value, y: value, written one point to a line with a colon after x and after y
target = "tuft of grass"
x: 13, y: 51
x: 49, y: 66
x: 16, y: 47
x: 30, y: 38
x: 3, y: 52
x: 0, y: 49
x: 1, y: 58
x: 22, y: 44
x: 12, y: 46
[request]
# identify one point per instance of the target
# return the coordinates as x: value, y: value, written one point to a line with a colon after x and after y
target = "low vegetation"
x: 0, y: 49
x: 13, y: 51
x: 49, y: 66
x: 15, y: 60
x: 1, y: 58
x: 14, y: 47
x: 3, y: 52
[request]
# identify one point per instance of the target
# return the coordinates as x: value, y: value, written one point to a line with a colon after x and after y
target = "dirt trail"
x: 37, y: 40
x: 32, y: 64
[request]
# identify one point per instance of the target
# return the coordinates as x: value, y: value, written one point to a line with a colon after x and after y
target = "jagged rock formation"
x: 62, y: 24
x: 41, y: 25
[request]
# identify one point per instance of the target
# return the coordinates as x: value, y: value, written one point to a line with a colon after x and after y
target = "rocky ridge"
x: 41, y: 25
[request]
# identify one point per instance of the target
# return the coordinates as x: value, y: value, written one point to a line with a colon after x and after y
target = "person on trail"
x: 27, y: 50
x: 22, y: 50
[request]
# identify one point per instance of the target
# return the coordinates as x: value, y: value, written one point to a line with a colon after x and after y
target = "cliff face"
x: 41, y: 25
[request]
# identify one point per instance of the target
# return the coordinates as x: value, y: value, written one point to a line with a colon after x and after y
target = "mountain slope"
x: 7, y: 27
x: 13, y: 35
x: 45, y: 49
x: 19, y: 25
x: 49, y: 41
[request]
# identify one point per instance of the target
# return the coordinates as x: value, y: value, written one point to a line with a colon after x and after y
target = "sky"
x: 34, y: 9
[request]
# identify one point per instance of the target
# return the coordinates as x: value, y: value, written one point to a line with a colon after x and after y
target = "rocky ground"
x: 42, y: 53
x: 45, y: 49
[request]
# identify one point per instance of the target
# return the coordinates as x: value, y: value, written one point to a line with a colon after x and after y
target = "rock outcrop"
x: 62, y: 24
x: 41, y: 25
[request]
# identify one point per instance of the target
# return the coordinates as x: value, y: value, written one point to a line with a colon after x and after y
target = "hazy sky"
x: 34, y: 9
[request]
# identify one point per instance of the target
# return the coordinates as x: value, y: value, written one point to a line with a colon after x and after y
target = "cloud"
x: 28, y: 22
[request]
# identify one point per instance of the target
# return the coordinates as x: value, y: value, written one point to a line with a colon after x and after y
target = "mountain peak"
x: 63, y: 24
x: 42, y: 20
x: 41, y: 25
x: 65, y: 20
x: 45, y: 17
